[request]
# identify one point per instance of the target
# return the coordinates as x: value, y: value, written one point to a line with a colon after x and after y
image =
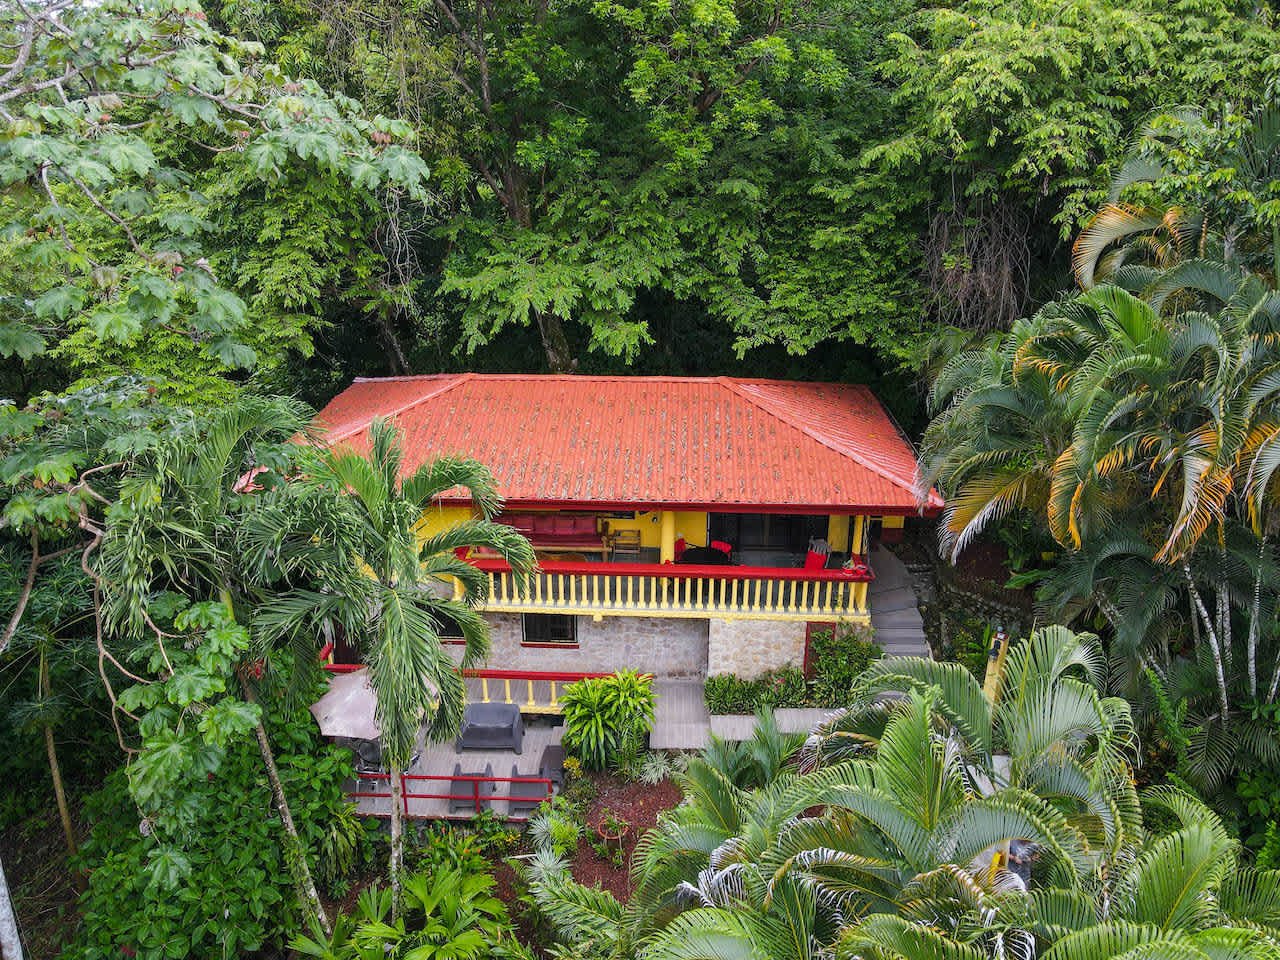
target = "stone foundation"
x: 748, y: 648
x: 665, y: 647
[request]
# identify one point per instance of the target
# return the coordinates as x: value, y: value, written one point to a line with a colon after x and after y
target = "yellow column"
x: 838, y: 532
x: 667, y: 545
x: 859, y: 532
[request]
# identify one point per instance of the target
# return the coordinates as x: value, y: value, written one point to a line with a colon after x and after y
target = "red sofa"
x: 570, y: 531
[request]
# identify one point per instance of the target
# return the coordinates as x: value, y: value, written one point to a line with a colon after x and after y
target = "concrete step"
x: 891, y: 619
x: 899, y: 635
x: 899, y: 598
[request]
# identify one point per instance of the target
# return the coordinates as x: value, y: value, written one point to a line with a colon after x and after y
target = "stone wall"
x: 665, y: 647
x: 748, y: 648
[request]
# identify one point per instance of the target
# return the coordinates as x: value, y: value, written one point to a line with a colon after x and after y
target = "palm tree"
x: 397, y: 591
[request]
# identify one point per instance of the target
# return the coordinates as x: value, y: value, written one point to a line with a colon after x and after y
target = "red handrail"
x: 559, y: 676
x: 684, y: 571
x: 473, y: 779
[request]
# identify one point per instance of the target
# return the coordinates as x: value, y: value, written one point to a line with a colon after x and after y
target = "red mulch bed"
x: 639, y: 805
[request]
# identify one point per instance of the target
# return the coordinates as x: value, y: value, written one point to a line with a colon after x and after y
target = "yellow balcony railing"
x: 673, y: 590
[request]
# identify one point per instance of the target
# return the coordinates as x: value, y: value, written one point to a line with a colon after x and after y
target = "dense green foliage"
x: 885, y: 846
x: 222, y: 884
x: 836, y: 658
x: 208, y: 216
x: 607, y: 718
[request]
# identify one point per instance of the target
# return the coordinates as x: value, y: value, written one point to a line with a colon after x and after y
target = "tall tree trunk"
x: 55, y: 772
x: 396, y: 861
x: 10, y: 942
x: 1213, y: 639
x: 1223, y: 598
x: 396, y: 358
x: 554, y: 342
x: 1255, y: 610
x: 295, y: 852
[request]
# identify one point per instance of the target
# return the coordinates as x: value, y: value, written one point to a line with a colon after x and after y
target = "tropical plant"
x: 778, y: 870
x: 604, y: 716
x: 224, y: 883
x: 1183, y: 892
x: 177, y: 533
x: 447, y: 915
x: 556, y: 827
x: 757, y: 761
x: 396, y: 590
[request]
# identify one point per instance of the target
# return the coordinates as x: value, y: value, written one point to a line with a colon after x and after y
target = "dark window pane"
x: 550, y: 628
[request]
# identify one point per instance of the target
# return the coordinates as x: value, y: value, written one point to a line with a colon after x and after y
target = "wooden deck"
x: 438, y: 760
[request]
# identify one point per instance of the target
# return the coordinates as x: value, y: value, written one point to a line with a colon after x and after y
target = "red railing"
x: 685, y: 571
x: 473, y: 781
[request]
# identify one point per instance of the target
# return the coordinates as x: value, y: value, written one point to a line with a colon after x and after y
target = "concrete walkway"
x: 895, y: 613
x: 681, y: 720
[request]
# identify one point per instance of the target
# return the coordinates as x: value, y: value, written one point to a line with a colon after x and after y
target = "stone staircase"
x: 895, y: 614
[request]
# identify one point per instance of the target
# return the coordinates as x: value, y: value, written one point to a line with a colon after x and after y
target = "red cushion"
x: 521, y: 521
x: 563, y: 525
x: 544, y: 523
x: 584, y: 525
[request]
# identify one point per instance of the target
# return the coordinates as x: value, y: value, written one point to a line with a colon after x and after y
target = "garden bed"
x: 636, y: 803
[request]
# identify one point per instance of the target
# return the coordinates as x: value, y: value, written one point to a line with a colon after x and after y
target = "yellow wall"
x: 436, y: 519
x: 689, y: 524
x: 692, y: 525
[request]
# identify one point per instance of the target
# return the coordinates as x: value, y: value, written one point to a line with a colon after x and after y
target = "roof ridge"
x: 454, y: 380
x: 892, y: 477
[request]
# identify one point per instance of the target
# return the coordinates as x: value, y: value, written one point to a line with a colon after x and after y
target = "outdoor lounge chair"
x: 551, y: 765
x: 525, y: 796
x: 462, y: 793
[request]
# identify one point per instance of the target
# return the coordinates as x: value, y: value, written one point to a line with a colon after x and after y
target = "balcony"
x: 679, y: 590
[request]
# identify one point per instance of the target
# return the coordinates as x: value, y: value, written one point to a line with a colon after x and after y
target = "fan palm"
x: 398, y: 590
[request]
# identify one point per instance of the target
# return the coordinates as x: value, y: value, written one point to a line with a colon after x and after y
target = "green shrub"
x: 556, y: 827
x: 837, y: 658
x: 222, y: 887
x: 448, y: 914
x: 726, y: 693
x: 970, y: 643
x: 606, y: 718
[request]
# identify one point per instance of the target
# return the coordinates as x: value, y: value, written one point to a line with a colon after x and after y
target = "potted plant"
x: 612, y: 829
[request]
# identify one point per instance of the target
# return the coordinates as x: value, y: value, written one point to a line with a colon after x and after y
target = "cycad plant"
x: 780, y: 870
x: 397, y: 590
x: 1183, y: 892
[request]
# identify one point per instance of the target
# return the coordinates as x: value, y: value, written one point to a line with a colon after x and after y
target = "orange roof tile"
x: 649, y: 441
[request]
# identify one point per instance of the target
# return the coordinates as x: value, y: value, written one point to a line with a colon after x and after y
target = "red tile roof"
x: 675, y: 442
